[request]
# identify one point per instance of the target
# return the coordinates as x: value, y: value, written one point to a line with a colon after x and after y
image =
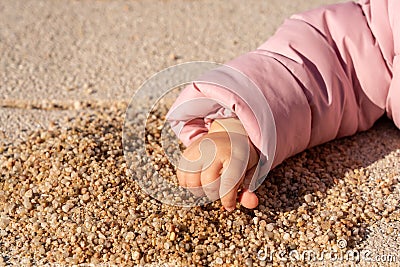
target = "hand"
x: 211, y: 167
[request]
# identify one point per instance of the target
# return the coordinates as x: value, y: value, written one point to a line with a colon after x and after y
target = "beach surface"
x: 68, y: 70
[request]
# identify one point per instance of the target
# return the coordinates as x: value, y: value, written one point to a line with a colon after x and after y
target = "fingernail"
x: 230, y: 209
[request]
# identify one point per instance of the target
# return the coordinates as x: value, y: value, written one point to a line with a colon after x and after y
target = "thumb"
x: 247, y: 198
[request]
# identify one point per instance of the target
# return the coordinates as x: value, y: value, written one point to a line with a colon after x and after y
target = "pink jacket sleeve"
x: 326, y: 73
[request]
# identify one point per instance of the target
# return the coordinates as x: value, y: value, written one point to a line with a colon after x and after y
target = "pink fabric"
x: 326, y: 73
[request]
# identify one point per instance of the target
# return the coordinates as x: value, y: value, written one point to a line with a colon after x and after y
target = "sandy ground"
x: 67, y: 52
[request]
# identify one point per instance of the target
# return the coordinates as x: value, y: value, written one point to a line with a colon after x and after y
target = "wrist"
x: 232, y: 125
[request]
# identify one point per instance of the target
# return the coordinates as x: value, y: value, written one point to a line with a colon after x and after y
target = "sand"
x: 85, y: 59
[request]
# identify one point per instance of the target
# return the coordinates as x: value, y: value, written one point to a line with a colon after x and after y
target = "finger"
x: 210, y: 180
x: 199, y: 154
x: 250, y: 177
x: 190, y: 181
x: 181, y: 178
x: 247, y: 198
x: 231, y: 179
x: 234, y: 173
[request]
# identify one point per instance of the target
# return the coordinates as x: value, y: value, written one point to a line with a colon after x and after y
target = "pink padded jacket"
x: 326, y: 73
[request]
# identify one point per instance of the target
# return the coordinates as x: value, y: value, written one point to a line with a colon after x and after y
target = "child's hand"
x: 211, y: 157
